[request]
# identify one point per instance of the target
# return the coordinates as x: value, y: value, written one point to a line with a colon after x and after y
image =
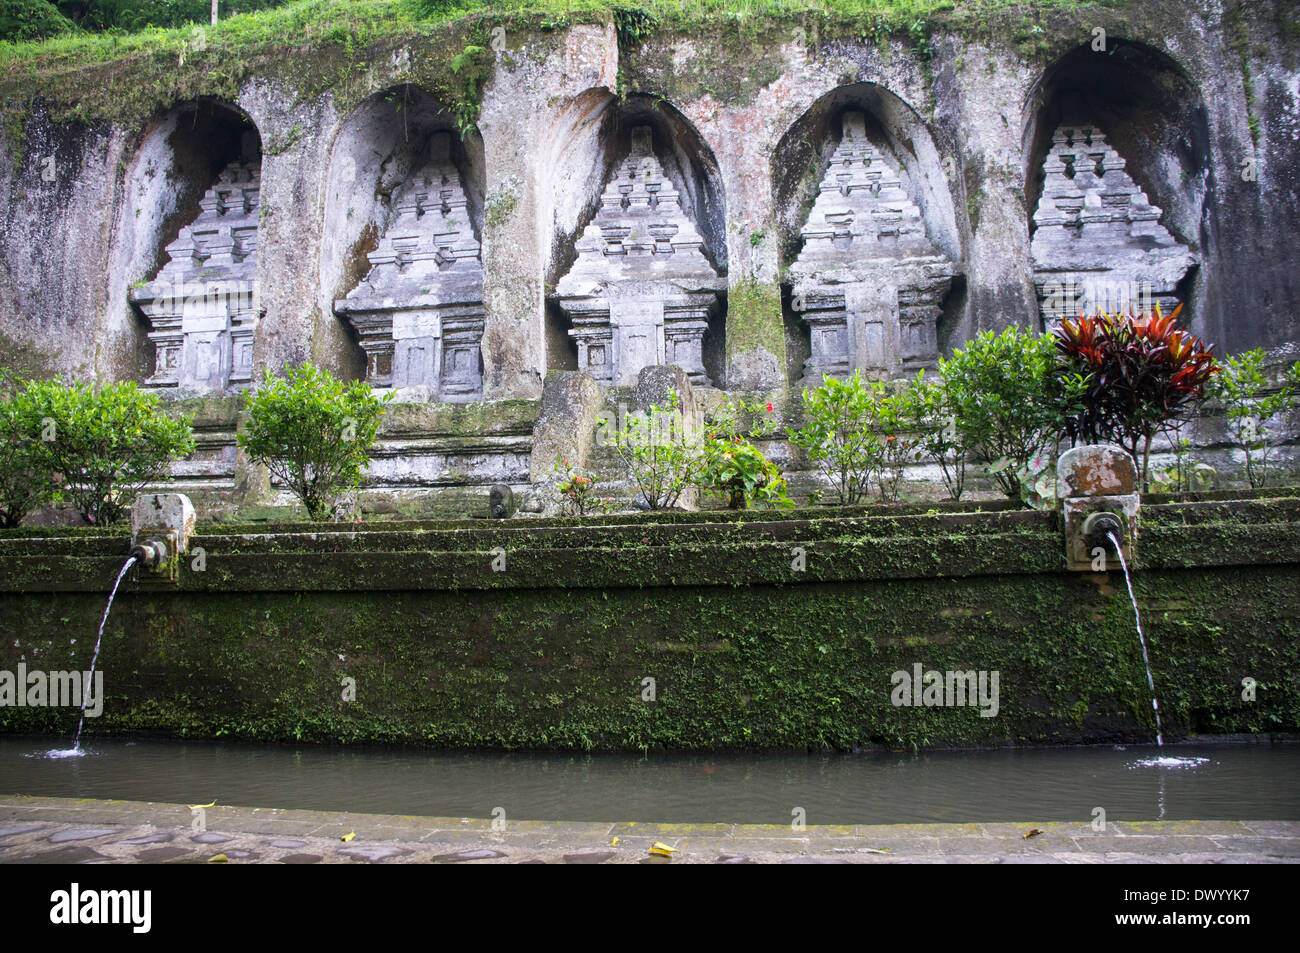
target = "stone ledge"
x: 46, y: 829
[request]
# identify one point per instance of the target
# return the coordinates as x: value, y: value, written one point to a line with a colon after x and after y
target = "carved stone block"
x: 419, y: 312
x: 641, y: 291
x: 868, y: 282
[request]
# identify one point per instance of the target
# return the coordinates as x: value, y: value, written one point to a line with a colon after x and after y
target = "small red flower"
x: 769, y: 408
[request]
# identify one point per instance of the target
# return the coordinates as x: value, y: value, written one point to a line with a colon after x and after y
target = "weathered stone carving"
x: 419, y: 312
x: 201, y: 305
x: 1098, y: 241
x: 869, y: 282
x: 641, y: 291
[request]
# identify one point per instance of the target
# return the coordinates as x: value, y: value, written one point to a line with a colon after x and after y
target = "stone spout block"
x: 1098, y: 489
x: 161, y: 527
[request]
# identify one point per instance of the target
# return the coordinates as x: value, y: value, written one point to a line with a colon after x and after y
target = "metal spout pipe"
x: 150, y: 553
x: 1101, y: 530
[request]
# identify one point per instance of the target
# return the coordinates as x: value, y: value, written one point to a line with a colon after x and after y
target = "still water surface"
x: 1234, y: 782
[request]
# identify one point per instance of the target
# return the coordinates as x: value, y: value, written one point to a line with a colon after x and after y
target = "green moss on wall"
x: 755, y: 667
x: 745, y: 650
x: 23, y: 359
x: 754, y: 319
x: 15, y: 130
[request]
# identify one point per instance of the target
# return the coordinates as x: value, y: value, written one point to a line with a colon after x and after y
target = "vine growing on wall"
x: 471, y: 69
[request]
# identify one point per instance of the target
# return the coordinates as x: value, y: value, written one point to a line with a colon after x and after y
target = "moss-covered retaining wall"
x: 552, y: 645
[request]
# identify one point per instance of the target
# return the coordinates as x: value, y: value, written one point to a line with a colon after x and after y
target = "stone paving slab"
x: 68, y: 830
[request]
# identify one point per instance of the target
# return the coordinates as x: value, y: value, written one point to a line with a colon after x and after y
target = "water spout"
x: 150, y: 554
x: 1137, y: 616
x: 1101, y: 530
x: 75, y: 751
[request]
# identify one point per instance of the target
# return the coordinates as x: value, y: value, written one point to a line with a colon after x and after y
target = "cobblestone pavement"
x: 63, y: 830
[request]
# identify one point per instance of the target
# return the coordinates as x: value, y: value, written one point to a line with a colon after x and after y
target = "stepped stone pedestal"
x: 641, y: 292
x: 419, y: 312
x: 1098, y: 242
x: 869, y: 282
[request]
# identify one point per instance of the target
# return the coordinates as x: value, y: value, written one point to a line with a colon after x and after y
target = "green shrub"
x: 939, y: 439
x: 657, y: 453
x: 106, y: 443
x: 1250, y: 402
x: 31, y: 20
x: 313, y: 432
x: 1140, y: 376
x: 730, y: 466
x: 1007, y: 401
x: 893, y: 415
x: 577, y: 492
x: 1187, y: 475
x: 837, y: 435
x: 26, y: 480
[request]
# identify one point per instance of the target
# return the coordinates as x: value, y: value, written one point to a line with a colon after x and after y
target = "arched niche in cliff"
x: 189, y: 232
x: 637, y: 252
x: 400, y: 262
x: 1119, y: 142
x: 868, y: 237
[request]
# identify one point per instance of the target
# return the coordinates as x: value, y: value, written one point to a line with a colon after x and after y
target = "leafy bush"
x: 657, y: 454
x: 26, y: 480
x: 577, y: 492
x: 1142, y: 376
x: 31, y: 20
x: 1249, y: 403
x: 1186, y: 474
x: 939, y: 439
x: 313, y: 432
x: 837, y: 435
x: 892, y: 415
x: 1006, y: 401
x: 107, y: 444
x: 731, y: 466
x: 859, y: 431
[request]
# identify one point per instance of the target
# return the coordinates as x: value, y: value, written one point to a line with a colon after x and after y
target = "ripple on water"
x: 56, y: 753
x: 1169, y: 763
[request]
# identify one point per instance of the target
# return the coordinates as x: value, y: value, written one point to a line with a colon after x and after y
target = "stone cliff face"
x: 1197, y: 106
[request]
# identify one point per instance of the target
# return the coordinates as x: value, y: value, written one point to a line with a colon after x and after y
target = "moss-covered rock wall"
x: 757, y: 633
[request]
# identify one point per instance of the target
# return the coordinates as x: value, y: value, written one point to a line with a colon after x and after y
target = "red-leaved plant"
x: 1143, y: 375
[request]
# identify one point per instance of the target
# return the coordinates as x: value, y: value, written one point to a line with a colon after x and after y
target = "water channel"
x: 1135, y: 782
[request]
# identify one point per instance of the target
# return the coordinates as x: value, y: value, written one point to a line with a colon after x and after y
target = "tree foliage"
x: 106, y: 443
x: 313, y: 432
x: 31, y: 20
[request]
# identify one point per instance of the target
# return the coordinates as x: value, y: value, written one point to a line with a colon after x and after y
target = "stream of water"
x: 75, y: 751
x: 1146, y: 660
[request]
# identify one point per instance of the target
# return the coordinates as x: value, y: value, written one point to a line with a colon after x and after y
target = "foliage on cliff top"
x: 355, y: 24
